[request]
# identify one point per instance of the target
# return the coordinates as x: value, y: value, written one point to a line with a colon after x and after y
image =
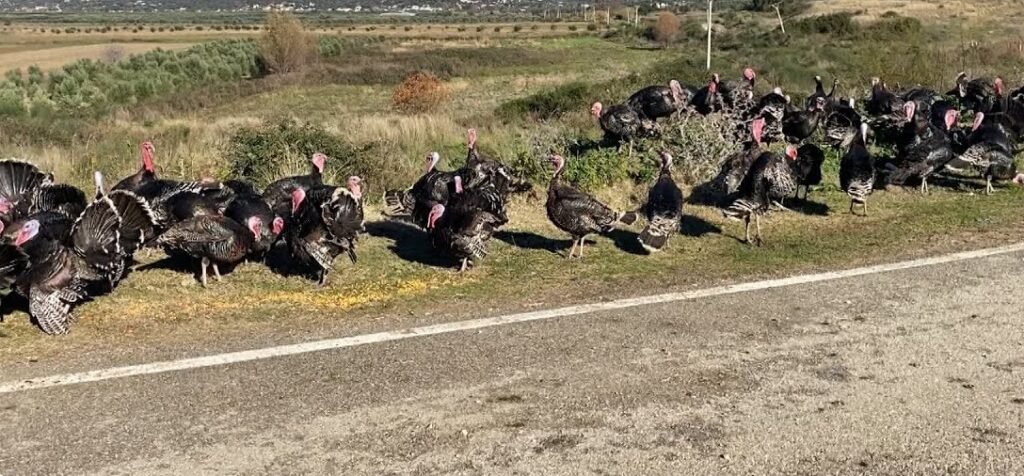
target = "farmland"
x: 527, y: 89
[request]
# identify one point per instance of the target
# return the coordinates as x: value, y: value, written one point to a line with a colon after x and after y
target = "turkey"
x: 978, y: 94
x: 812, y: 101
x: 921, y: 150
x: 857, y: 170
x: 213, y: 239
x: 65, y: 266
x: 228, y: 190
x: 656, y: 102
x: 463, y: 227
x: 578, y: 213
x: 991, y: 153
x: 735, y: 167
x: 807, y: 168
x: 769, y: 180
x: 65, y: 199
x: 146, y: 173
x: 432, y: 188
x: 621, y: 123
x: 772, y: 108
x: 188, y: 204
x: 844, y: 121
x: 325, y: 222
x: 245, y: 206
x: 663, y: 210
x: 161, y: 196
x: 279, y: 193
x: 137, y: 222
x: 19, y: 182
x: 13, y: 262
x: 882, y: 101
x: 799, y: 126
x: 482, y: 171
x: 739, y: 95
x: 708, y: 99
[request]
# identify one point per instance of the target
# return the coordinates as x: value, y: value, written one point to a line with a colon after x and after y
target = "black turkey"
x: 844, y: 121
x: 656, y: 102
x: 65, y: 199
x: 13, y: 262
x: 325, y: 223
x: 578, y: 213
x: 245, y: 206
x: 857, y: 170
x: 991, y: 152
x: 146, y: 173
x: 65, y: 266
x: 807, y: 168
x: 663, y: 210
x: 160, y: 195
x: 739, y: 94
x: 279, y: 193
x: 800, y: 125
x: 463, y: 228
x: 213, y: 239
x: 19, y: 182
x: 978, y: 94
x: 137, y: 221
x: 819, y: 93
x: 769, y: 180
x: 708, y: 99
x: 921, y: 150
x: 734, y: 168
x: 433, y: 187
x: 621, y: 124
x: 772, y: 108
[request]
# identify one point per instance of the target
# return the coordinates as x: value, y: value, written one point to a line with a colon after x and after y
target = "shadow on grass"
x: 531, y: 241
x: 12, y: 303
x: 409, y: 242
x: 807, y: 207
x: 697, y: 227
x: 181, y: 263
x: 627, y: 241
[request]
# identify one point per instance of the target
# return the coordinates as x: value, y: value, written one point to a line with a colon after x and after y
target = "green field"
x: 527, y: 96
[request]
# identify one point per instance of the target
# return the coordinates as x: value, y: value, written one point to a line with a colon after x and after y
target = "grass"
x: 50, y: 58
x: 350, y: 98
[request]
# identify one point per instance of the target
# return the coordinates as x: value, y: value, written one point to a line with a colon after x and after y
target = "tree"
x: 666, y: 28
x: 285, y: 46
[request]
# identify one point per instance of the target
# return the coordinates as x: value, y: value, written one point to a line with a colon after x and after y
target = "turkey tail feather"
x: 18, y: 179
x: 137, y: 220
x: 96, y: 237
x: 397, y: 202
x: 628, y: 218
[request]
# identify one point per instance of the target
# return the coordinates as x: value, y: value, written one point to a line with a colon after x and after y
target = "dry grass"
x: 925, y: 10
x: 49, y: 58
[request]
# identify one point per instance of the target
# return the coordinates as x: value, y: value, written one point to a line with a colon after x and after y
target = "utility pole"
x: 710, y: 6
x: 779, y: 13
x: 636, y: 18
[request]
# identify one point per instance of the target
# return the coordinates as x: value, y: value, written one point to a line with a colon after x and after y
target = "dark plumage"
x: 800, y: 125
x: 578, y: 213
x: 978, y: 94
x: 137, y: 221
x: 621, y: 123
x: 769, y: 180
x: 245, y: 206
x: 708, y: 99
x: 819, y: 93
x: 65, y: 267
x: 463, y: 228
x: 160, y: 195
x: 807, y: 167
x: 844, y: 121
x: 734, y: 168
x: 213, y: 239
x: 19, y: 182
x: 772, y: 108
x: 146, y: 173
x: 656, y: 102
x: 921, y: 150
x: 185, y: 205
x: 857, y: 170
x: 991, y: 152
x: 663, y: 210
x: 739, y: 94
x: 279, y: 193
x: 65, y: 199
x: 325, y: 223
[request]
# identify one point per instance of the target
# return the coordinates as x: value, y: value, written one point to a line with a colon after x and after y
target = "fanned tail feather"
x: 137, y: 220
x: 655, y: 235
x: 96, y: 238
x: 398, y: 203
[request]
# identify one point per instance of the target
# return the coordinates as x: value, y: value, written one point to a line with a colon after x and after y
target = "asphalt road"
x: 910, y: 372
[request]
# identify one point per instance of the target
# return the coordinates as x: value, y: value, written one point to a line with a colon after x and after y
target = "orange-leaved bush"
x: 420, y: 92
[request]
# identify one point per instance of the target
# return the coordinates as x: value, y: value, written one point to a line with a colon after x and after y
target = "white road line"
x: 353, y: 341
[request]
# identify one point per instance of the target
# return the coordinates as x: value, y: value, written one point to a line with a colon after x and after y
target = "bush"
x: 547, y: 104
x: 286, y: 47
x: 786, y: 7
x: 573, y: 28
x: 833, y: 24
x: 420, y: 92
x: 266, y: 153
x: 666, y: 28
x: 497, y: 29
x: 591, y: 27
x: 517, y: 28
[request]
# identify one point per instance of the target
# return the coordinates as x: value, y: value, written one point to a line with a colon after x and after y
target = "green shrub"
x: 835, y: 24
x: 547, y: 104
x: 266, y: 153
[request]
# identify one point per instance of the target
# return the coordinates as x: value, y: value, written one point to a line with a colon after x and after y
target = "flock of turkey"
x: 58, y: 248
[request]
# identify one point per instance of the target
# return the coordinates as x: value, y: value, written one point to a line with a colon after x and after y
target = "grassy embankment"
x: 553, y: 80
